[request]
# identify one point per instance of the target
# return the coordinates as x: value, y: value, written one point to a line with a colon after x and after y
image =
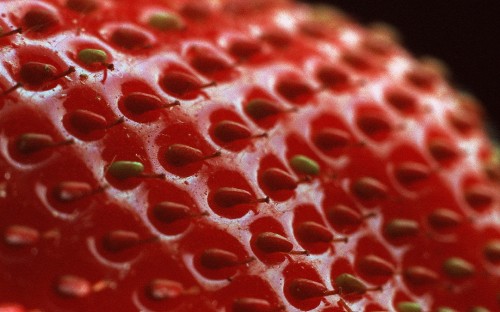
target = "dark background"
x: 465, y: 34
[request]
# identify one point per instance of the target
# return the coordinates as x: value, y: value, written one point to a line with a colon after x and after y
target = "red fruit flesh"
x: 243, y: 156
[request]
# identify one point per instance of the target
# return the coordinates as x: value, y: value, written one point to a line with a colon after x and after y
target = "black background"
x: 465, y: 34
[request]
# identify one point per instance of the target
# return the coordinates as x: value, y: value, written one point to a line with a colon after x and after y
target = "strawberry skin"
x: 245, y: 156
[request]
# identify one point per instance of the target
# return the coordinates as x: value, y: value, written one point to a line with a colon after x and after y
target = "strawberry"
x: 245, y: 156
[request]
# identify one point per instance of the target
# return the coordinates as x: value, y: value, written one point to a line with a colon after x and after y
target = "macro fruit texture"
x: 245, y: 156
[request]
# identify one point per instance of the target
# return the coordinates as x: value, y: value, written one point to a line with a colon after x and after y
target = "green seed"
x: 407, y: 306
x: 91, y: 56
x: 458, y: 268
x: 165, y: 21
x: 304, y: 164
x: 348, y: 284
x: 125, y: 169
x: 445, y: 309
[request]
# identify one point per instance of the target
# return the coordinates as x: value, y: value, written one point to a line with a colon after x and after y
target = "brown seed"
x: 82, y: 6
x: 270, y: 242
x: 227, y: 197
x: 314, y: 232
x: 400, y: 228
x: 420, y: 276
x: 374, y: 126
x: 215, y: 259
x: 375, y: 266
x: 179, y: 155
x: 442, y: 151
x: 478, y: 197
x: 409, y: 173
x: 119, y: 240
x: 169, y: 212
x: 368, y: 188
x: 86, y: 121
x: 140, y: 103
x: 442, y: 218
x: 342, y: 215
x: 130, y: 38
x: 260, y: 108
x: 277, y: 180
x: 228, y: 131
x: 247, y: 304
x: 181, y: 84
x: 328, y: 139
x: 303, y: 289
x: 36, y: 73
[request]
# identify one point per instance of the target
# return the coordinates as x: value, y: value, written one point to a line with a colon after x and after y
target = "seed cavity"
x: 21, y: 235
x: 73, y: 286
x: 304, y: 165
x: 163, y: 289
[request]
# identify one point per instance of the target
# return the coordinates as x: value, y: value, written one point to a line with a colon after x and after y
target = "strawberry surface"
x: 245, y: 156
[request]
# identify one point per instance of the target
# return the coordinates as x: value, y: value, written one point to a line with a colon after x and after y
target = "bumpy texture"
x: 245, y: 156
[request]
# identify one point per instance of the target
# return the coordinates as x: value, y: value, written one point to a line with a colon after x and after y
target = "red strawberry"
x: 245, y: 156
